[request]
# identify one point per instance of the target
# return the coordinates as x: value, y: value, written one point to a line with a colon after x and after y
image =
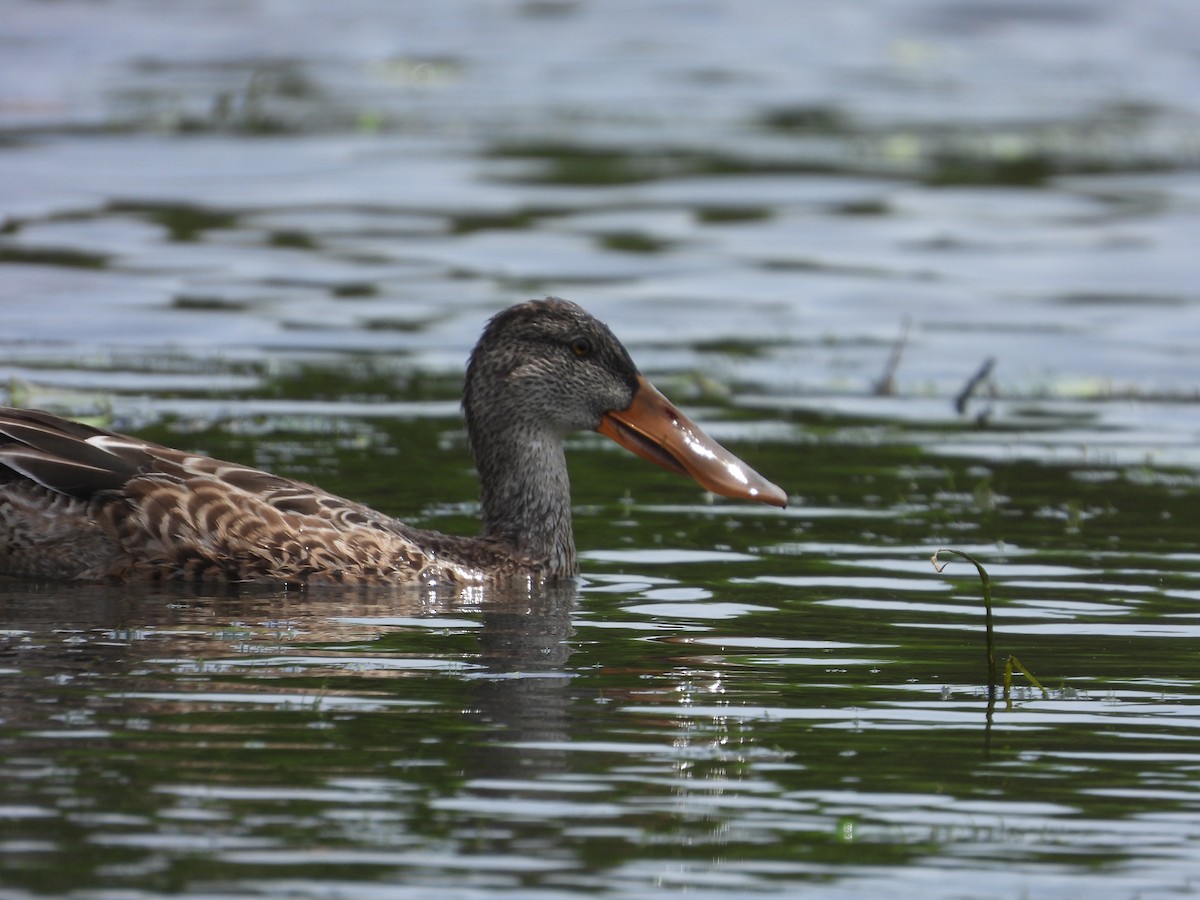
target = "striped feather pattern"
x: 77, y: 502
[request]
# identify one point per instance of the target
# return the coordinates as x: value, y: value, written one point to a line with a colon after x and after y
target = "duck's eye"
x: 581, y: 347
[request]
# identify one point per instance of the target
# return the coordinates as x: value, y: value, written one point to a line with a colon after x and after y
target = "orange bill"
x: 655, y: 430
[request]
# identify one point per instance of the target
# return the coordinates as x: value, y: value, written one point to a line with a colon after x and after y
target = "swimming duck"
x: 81, y: 503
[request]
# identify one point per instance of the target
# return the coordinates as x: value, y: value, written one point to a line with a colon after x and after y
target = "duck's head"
x: 547, y: 368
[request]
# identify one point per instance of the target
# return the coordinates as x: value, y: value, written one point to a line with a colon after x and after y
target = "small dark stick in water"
x: 983, y: 374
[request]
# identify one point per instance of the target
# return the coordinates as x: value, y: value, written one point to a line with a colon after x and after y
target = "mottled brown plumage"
x: 81, y: 503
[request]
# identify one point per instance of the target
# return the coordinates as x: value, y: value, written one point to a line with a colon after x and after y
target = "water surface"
x: 272, y: 233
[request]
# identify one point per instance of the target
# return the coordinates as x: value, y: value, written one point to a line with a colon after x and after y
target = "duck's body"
x: 125, y: 509
x: 81, y: 503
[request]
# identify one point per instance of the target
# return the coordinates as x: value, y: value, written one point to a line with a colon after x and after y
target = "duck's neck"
x: 525, y: 498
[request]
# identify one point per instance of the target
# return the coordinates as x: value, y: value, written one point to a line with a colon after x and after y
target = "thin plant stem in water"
x: 987, y: 609
x: 1010, y: 662
x: 886, y: 385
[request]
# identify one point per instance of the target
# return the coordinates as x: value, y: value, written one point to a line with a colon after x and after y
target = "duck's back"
x: 78, y: 502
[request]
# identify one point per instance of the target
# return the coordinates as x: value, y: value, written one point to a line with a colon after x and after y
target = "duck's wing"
x: 135, y: 509
x: 67, y: 457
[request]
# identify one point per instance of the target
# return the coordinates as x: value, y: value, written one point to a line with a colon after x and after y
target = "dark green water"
x: 733, y: 701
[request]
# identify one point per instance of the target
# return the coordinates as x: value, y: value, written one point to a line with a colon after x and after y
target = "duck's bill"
x: 655, y: 430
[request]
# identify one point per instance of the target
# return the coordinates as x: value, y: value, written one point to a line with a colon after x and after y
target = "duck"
x: 80, y: 503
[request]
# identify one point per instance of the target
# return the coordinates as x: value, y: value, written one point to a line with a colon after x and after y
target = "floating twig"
x: 982, y: 374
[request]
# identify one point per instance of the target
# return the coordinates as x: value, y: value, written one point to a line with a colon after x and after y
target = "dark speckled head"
x: 546, y: 365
